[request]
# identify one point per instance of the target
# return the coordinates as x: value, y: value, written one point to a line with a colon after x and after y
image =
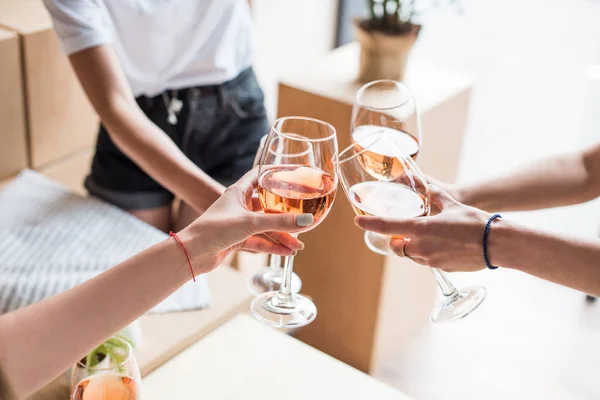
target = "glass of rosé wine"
x: 110, y: 372
x: 294, y: 180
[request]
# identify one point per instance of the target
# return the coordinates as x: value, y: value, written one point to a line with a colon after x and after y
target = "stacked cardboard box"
x: 13, y: 150
x: 45, y: 105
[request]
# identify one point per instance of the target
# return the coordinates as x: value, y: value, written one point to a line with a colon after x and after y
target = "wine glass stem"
x: 444, y: 283
x: 288, y: 271
x: 275, y: 263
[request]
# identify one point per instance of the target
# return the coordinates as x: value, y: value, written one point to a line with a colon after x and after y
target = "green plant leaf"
x: 113, y: 348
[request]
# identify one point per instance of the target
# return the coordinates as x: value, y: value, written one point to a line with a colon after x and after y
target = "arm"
x: 75, y: 322
x: 568, y: 261
x: 136, y: 136
x: 556, y: 181
x: 452, y: 239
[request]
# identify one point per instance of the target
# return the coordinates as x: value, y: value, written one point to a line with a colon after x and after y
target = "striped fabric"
x: 52, y: 240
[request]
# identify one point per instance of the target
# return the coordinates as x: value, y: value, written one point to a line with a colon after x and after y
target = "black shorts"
x: 219, y: 128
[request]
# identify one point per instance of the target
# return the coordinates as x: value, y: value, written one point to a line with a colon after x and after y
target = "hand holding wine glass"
x: 401, y: 193
x: 294, y: 180
x: 450, y: 241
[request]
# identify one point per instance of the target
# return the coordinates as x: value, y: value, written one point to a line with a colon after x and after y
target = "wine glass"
x: 268, y: 278
x: 386, y: 106
x: 395, y: 188
x: 108, y: 372
x: 292, y: 182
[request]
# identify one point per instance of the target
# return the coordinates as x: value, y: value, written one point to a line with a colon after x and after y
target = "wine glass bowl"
x: 390, y: 186
x: 297, y: 174
x: 298, y: 171
x: 387, y: 106
x: 110, y: 371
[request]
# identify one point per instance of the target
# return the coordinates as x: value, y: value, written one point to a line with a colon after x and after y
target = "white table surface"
x: 244, y: 359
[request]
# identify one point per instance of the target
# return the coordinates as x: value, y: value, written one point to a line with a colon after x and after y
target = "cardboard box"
x: 60, y: 119
x: 13, y: 147
x: 71, y: 171
x: 6, y: 182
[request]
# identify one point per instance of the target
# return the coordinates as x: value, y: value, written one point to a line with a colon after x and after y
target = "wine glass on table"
x: 397, y: 189
x: 386, y: 106
x: 268, y: 278
x: 110, y: 372
x: 291, y: 182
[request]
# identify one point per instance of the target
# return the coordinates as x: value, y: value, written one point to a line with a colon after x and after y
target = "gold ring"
x: 403, y: 254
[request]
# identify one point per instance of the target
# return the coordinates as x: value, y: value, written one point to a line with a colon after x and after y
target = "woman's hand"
x: 451, y: 240
x: 231, y: 224
x: 453, y: 190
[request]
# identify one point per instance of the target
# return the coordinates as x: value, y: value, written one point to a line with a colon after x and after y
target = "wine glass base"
x: 267, y: 280
x: 378, y: 243
x: 459, y: 306
x: 281, y: 311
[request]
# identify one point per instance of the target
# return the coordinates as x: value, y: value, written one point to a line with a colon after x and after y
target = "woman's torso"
x: 163, y: 44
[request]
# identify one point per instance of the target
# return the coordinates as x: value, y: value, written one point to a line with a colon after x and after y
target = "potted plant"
x: 112, y: 349
x: 386, y: 37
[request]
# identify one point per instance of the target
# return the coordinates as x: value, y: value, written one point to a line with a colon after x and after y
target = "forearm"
x: 139, y: 138
x: 153, y: 151
x: 572, y: 262
x: 556, y: 181
x: 39, y: 342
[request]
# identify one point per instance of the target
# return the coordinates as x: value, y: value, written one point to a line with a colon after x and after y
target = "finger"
x: 400, y: 246
x: 264, y: 245
x: 247, y: 182
x: 410, y: 250
x: 389, y: 226
x: 420, y: 261
x: 255, y: 204
x: 440, y: 198
x: 281, y: 222
x: 285, y: 239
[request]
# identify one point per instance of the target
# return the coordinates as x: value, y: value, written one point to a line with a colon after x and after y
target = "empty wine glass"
x: 386, y: 106
x: 381, y: 180
x: 108, y: 372
x: 290, y: 181
x: 268, y: 278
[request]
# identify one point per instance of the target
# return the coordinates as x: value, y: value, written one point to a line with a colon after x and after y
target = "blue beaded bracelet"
x: 486, y: 233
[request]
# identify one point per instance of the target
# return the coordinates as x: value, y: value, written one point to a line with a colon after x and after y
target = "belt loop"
x: 223, y: 96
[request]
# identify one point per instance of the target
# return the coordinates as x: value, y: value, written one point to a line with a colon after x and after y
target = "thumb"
x: 247, y: 182
x: 282, y: 222
x: 440, y: 198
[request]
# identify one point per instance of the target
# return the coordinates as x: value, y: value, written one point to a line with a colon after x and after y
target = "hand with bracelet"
x: 75, y: 322
x: 453, y: 240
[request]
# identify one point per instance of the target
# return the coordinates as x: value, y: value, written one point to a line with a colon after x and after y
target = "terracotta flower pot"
x: 383, y: 56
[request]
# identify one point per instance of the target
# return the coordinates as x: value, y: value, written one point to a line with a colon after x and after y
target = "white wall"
x: 289, y: 33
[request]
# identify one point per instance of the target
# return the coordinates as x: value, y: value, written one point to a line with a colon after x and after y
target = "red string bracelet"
x: 171, y: 234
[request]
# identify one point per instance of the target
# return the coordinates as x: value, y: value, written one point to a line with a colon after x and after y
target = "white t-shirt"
x: 161, y: 44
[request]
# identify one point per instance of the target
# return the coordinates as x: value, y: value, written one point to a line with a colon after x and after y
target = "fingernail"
x: 301, y: 246
x: 305, y: 219
x: 294, y: 252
